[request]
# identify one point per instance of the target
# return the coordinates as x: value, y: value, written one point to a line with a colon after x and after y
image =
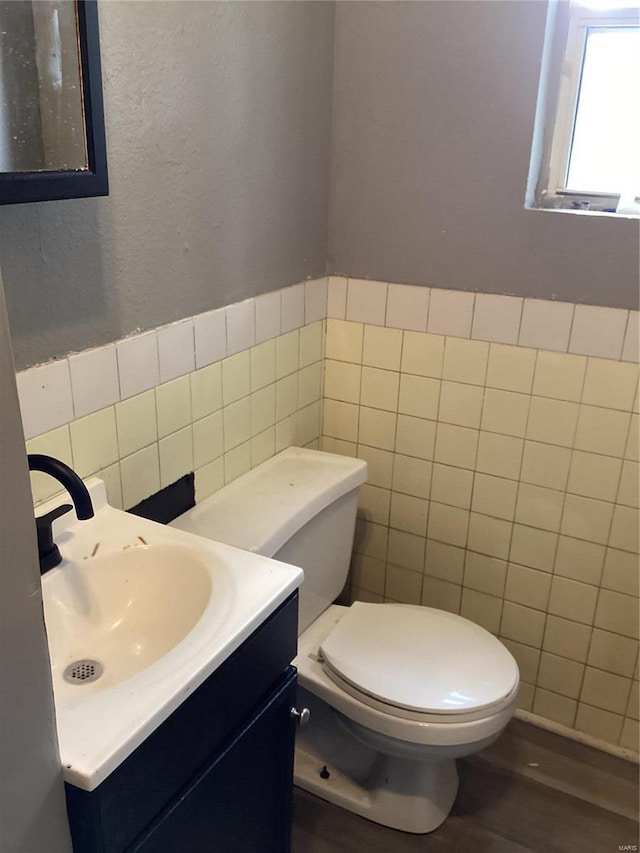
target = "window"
x: 591, y: 158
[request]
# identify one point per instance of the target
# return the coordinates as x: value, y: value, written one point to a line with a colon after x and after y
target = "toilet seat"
x: 418, y: 663
x: 435, y: 730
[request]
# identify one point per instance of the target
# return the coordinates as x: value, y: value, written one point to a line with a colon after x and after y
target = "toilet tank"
x: 299, y: 507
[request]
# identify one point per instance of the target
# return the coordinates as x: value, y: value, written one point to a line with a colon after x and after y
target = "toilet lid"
x: 419, y: 659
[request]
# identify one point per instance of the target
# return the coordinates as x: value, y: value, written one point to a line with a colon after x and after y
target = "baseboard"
x: 580, y: 737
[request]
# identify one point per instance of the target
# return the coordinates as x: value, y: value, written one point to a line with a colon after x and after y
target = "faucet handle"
x: 50, y: 517
x: 48, y: 551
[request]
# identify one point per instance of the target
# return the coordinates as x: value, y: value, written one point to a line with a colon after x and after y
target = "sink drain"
x: 83, y: 671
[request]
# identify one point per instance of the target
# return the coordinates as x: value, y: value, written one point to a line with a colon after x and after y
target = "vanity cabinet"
x: 217, y: 775
x: 240, y: 802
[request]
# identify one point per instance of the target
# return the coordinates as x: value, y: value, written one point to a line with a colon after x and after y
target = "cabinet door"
x: 241, y: 801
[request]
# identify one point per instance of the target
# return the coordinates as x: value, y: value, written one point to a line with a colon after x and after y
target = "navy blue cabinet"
x: 217, y: 774
x: 240, y: 802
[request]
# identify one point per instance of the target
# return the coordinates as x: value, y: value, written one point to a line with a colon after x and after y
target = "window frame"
x: 555, y: 193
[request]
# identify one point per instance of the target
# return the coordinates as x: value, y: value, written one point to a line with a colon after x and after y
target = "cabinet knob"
x: 301, y: 717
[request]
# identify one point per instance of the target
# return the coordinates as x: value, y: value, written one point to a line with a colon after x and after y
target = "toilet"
x: 396, y: 692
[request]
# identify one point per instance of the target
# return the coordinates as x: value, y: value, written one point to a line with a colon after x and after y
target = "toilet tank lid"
x: 264, y: 508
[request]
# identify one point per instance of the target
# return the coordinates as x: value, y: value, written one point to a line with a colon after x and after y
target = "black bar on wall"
x: 169, y: 502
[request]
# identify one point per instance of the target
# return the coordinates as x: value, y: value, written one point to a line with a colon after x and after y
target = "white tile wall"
x: 46, y: 399
x: 407, y: 307
x: 210, y: 330
x: 220, y: 418
x: 538, y: 324
x: 138, y: 365
x: 598, y: 331
x: 268, y: 316
x: 315, y: 300
x: 241, y: 326
x: 141, y: 362
x: 503, y: 487
x: 173, y: 405
x: 451, y: 313
x: 546, y: 325
x: 631, y: 347
x: 337, y: 297
x: 94, y: 379
x: 503, y: 470
x: 366, y: 301
x: 176, y: 350
x: 136, y: 422
x: 293, y: 299
x: 57, y: 392
x: 497, y: 318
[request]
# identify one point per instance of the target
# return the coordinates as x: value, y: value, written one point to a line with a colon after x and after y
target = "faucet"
x: 48, y: 551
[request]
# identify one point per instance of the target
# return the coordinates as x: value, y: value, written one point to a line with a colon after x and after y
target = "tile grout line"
x: 573, y: 317
x: 520, y: 319
x: 473, y: 480
x: 395, y: 438
x: 555, y: 553
x: 630, y: 696
x: 624, y: 334
x: 432, y: 465
x: 591, y: 626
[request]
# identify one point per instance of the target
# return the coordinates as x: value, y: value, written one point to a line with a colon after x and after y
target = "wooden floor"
x: 566, y: 765
x: 495, y: 812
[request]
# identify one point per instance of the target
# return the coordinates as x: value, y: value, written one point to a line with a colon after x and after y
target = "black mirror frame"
x: 20, y: 187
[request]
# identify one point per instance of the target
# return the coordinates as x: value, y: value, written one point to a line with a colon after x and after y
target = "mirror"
x: 52, y: 143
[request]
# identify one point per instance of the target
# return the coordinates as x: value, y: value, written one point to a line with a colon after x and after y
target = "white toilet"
x: 396, y: 692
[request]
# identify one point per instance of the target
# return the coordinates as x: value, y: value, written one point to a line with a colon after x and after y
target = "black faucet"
x: 47, y: 549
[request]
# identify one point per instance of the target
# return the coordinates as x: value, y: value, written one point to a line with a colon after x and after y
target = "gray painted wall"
x: 434, y: 108
x: 218, y: 125
x: 32, y: 811
x: 218, y: 134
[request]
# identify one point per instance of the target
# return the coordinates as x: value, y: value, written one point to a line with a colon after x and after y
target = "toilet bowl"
x: 396, y: 692
x: 419, y: 746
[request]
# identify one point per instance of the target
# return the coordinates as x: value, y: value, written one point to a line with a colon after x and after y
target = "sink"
x: 113, y: 615
x: 138, y: 615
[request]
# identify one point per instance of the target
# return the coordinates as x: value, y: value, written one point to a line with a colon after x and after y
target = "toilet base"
x: 413, y: 796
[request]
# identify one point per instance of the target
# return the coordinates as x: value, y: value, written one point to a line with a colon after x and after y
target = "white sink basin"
x: 125, y: 610
x: 138, y: 615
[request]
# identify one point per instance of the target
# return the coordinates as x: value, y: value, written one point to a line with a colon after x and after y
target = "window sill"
x: 589, y: 204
